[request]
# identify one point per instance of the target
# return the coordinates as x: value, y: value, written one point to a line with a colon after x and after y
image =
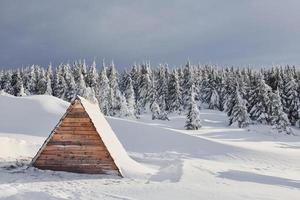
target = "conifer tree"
x: 239, y: 112
x: 214, y: 100
x: 32, y: 81
x: 129, y: 96
x: 174, y: 93
x: 193, y: 116
x: 17, y: 84
x: 115, y: 94
x: 155, y: 110
x: 90, y: 95
x: 292, y: 101
x: 49, y: 77
x: 92, y: 77
x: 41, y: 82
x: 123, y: 108
x: 104, y: 91
x: 81, y: 87
x: 59, y: 83
x: 186, y: 85
x: 83, y: 69
x: 6, y: 82
x: 278, y: 118
x: 162, y: 87
x: 71, y: 89
x: 135, y: 73
x: 260, y: 101
x: 144, y: 88
x: 163, y: 112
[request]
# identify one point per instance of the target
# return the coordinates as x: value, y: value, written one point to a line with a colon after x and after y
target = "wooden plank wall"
x: 76, y: 146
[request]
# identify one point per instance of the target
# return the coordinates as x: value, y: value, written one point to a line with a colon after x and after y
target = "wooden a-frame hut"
x: 82, y: 142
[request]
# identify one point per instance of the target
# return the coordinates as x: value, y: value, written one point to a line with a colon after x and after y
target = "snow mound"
x: 127, y: 166
x: 31, y: 115
x: 18, y: 146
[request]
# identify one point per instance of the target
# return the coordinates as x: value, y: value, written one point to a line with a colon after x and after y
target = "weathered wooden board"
x: 76, y: 132
x: 75, y: 136
x: 100, y: 156
x: 77, y: 120
x: 81, y: 169
x: 73, y: 161
x: 75, y: 147
x: 76, y: 128
x: 75, y: 124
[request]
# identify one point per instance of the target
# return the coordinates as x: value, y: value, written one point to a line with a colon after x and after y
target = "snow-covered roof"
x: 127, y: 166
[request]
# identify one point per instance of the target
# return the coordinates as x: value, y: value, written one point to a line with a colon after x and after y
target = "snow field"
x: 214, y: 162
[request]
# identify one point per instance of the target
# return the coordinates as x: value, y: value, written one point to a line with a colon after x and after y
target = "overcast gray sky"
x: 227, y: 32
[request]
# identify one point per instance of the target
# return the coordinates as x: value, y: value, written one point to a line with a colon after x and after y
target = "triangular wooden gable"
x: 75, y: 146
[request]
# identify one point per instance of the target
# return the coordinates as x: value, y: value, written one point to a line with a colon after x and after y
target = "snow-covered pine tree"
x: 135, y: 73
x: 279, y: 119
x: 193, y: 121
x: 104, y: 91
x: 86, y: 92
x: 129, y: 95
x: 230, y: 85
x: 260, y: 101
x: 292, y: 100
x: 41, y: 83
x: 214, y: 99
x: 186, y: 85
x: 76, y: 71
x: 17, y: 84
x: 48, y: 86
x: 209, y: 93
x: 49, y: 77
x: 6, y: 82
x: 59, y: 83
x: 81, y: 87
x: 197, y: 81
x: 115, y: 94
x: 83, y: 69
x: 122, y: 107
x: 282, y: 88
x: 239, y: 113
x: 90, y: 95
x: 152, y: 94
x: 203, y: 85
x: 71, y: 90
x: 93, y: 77
x: 220, y: 79
x: 144, y: 88
x: 155, y: 110
x: 174, y: 93
x: 161, y: 87
x: 181, y: 82
x: 163, y: 112
x: 32, y: 81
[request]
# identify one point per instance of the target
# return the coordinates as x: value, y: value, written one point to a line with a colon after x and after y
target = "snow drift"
x: 38, y: 115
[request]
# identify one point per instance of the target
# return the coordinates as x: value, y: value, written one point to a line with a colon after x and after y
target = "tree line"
x: 266, y: 96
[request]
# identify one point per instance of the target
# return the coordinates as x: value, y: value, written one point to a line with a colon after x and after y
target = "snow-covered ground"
x: 216, y: 162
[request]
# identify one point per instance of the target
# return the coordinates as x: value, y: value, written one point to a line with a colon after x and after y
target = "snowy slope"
x: 216, y: 162
x: 32, y: 115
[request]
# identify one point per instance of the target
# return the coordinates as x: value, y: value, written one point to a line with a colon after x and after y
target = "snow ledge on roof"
x: 127, y: 166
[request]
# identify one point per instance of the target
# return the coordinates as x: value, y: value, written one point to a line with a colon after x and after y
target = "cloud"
x: 233, y: 32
